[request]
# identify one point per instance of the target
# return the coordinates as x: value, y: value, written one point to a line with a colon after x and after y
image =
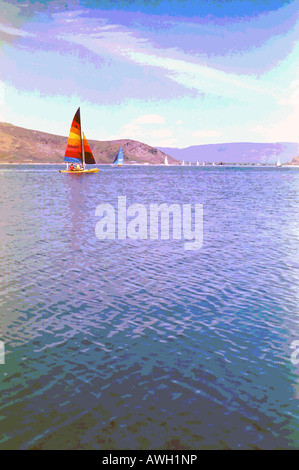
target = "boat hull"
x: 79, y: 172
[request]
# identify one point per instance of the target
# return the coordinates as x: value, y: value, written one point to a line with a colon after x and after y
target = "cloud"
x: 284, y: 130
x: 187, y: 70
x: 203, y: 78
x: 138, y: 125
x: 147, y: 128
x: 291, y: 95
x: 2, y: 93
x: 12, y: 19
x: 283, y: 125
x: 14, y: 31
x: 150, y: 119
x: 146, y: 85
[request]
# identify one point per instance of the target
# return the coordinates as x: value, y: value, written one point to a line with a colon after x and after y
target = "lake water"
x: 141, y: 344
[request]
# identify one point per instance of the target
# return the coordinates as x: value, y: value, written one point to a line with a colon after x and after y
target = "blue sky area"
x: 167, y: 73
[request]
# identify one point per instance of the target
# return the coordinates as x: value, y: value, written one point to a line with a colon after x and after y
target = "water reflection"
x: 140, y: 344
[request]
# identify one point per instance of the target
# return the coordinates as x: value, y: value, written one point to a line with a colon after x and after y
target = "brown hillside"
x: 28, y: 146
x: 295, y: 161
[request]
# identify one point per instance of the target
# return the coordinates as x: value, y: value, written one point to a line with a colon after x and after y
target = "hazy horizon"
x: 161, y: 146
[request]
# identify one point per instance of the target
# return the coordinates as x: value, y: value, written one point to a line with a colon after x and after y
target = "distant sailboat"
x: 189, y: 163
x: 203, y: 164
x: 213, y: 164
x: 278, y: 162
x: 183, y: 163
x: 78, y: 151
x: 197, y: 163
x: 166, y: 161
x: 119, y: 161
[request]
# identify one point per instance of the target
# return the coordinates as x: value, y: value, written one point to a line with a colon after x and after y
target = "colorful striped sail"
x: 73, y: 153
x: 88, y: 156
x: 120, y: 158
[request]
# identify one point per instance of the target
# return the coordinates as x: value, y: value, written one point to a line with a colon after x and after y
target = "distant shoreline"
x: 249, y: 164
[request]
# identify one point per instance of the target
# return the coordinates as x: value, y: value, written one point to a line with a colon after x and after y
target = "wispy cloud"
x: 2, y: 93
x: 14, y: 31
x: 203, y: 78
x: 291, y: 94
x: 149, y: 127
x: 184, y: 69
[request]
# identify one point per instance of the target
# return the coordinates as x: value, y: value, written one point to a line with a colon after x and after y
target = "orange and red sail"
x: 88, y: 156
x: 73, y: 153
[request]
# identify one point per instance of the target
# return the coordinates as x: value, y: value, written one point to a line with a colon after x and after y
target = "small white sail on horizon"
x: 278, y: 162
x: 166, y: 161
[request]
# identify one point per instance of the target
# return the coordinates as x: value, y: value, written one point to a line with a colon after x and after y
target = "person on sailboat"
x: 72, y: 167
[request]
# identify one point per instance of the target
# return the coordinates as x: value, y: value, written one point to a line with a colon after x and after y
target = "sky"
x: 169, y: 73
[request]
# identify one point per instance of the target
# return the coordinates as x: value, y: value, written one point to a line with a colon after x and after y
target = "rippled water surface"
x: 140, y: 344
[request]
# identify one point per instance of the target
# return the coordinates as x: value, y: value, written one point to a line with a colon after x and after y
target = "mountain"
x: 240, y: 152
x: 28, y: 146
x: 295, y: 161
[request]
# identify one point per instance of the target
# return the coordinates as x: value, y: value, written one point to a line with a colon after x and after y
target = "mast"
x: 82, y: 146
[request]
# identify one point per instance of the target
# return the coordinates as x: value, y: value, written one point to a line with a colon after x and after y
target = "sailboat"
x: 197, y: 163
x: 166, y: 161
x: 78, y: 151
x: 119, y: 161
x: 183, y: 163
x: 278, y: 162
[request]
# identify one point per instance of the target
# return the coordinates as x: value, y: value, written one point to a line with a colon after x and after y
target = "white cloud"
x: 150, y: 119
x: 14, y: 31
x: 147, y: 128
x: 291, y: 95
x: 178, y: 66
x: 285, y: 130
x: 203, y: 78
x: 2, y: 93
x: 284, y: 125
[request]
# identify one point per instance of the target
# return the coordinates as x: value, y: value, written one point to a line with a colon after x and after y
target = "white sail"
x: 166, y: 160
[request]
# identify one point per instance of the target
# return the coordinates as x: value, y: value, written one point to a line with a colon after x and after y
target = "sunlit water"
x: 140, y: 344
